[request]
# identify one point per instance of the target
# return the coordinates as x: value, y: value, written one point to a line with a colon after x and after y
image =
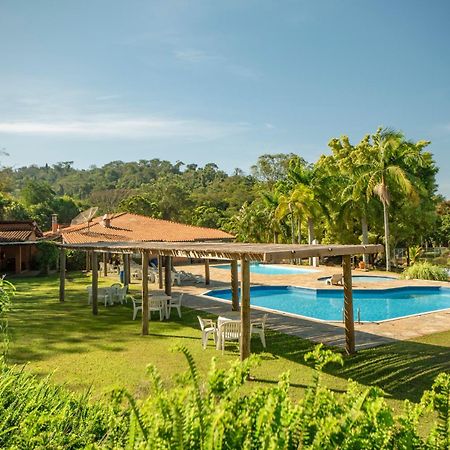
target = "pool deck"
x: 367, y: 334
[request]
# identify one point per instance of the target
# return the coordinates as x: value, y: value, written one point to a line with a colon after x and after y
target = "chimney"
x: 54, y: 223
x: 106, y: 221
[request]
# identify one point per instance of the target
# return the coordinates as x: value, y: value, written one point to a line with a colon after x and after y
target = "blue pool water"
x: 269, y: 269
x: 327, y: 304
x: 366, y: 278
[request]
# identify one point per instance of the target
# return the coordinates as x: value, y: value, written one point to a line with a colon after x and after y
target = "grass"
x: 107, y: 351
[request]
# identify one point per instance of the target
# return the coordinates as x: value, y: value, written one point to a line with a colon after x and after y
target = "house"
x: 126, y: 227
x: 18, y: 245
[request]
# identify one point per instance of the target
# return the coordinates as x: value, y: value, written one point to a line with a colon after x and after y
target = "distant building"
x: 18, y: 245
x: 126, y: 227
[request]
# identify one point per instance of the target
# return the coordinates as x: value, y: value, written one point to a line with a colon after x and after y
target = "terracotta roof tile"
x: 18, y: 231
x: 132, y: 227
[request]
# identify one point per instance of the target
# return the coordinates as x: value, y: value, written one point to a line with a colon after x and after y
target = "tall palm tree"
x: 385, y: 168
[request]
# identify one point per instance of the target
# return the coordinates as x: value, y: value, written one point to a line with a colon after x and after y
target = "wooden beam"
x: 62, y: 274
x: 145, y: 311
x: 94, y: 284
x: 234, y: 286
x: 105, y: 264
x: 348, y: 305
x: 245, y: 309
x: 168, y: 275
x: 88, y: 261
x: 207, y: 277
x: 160, y: 271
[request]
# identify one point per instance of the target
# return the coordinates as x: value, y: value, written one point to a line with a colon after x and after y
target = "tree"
x: 385, y: 167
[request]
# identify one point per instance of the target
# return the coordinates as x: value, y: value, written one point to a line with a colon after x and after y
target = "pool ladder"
x: 358, y: 315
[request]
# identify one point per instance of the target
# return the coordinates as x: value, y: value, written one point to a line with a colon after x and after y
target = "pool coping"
x: 314, y: 319
x: 291, y: 269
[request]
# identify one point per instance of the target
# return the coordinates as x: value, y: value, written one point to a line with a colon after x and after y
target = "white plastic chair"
x: 208, y: 327
x: 174, y: 303
x: 119, y: 293
x: 137, y: 305
x: 103, y: 294
x: 156, y: 305
x: 229, y: 331
x: 258, y: 326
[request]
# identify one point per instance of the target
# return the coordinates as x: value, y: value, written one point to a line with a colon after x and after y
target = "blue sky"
x: 219, y: 81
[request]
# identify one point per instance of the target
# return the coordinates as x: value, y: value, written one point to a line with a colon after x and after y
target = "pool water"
x: 270, y: 269
x: 327, y: 304
x: 366, y: 278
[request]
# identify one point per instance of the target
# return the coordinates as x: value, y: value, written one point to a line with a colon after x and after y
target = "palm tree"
x: 385, y: 168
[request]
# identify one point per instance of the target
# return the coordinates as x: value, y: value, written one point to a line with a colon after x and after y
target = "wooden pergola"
x: 245, y: 253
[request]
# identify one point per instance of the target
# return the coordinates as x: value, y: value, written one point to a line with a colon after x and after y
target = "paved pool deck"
x: 367, y: 334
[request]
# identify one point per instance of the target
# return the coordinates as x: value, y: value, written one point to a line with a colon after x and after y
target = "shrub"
x: 425, y: 271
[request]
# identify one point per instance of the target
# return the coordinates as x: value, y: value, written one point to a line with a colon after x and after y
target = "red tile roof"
x: 19, y: 231
x: 132, y: 227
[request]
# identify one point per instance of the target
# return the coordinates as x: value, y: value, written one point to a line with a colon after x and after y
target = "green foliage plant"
x: 47, y: 255
x: 7, y: 291
x: 424, y: 270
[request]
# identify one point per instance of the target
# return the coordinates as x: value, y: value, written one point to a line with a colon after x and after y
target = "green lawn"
x: 108, y: 351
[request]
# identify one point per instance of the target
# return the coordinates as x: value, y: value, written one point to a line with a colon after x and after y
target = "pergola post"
x: 126, y: 269
x: 245, y: 308
x: 145, y: 311
x: 62, y: 274
x: 160, y: 271
x: 94, y: 284
x: 105, y: 264
x: 207, y: 277
x: 348, y: 305
x: 234, y: 286
x: 168, y: 275
x: 88, y: 261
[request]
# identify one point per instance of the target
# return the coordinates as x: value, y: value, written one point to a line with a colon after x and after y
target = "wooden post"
x: 207, y: 277
x: 88, y: 261
x: 94, y: 284
x: 245, y: 308
x: 168, y: 275
x: 348, y: 305
x: 105, y: 264
x: 160, y: 271
x: 62, y: 274
x: 145, y: 311
x: 234, y: 286
x: 125, y: 269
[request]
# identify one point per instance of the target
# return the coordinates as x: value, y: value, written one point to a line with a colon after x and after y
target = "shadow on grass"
x: 403, y: 369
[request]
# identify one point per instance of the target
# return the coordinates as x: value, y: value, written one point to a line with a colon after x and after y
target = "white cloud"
x: 124, y: 127
x: 194, y: 56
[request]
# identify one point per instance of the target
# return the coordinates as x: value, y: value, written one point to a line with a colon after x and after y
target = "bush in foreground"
x: 425, y: 271
x: 214, y: 414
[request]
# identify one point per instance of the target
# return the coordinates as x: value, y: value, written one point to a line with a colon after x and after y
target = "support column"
x: 160, y: 271
x: 245, y: 309
x: 145, y: 311
x: 88, y: 261
x: 126, y: 269
x: 62, y: 274
x: 348, y: 305
x: 94, y: 284
x: 207, y: 278
x: 168, y: 275
x: 234, y: 286
x: 18, y: 260
x: 105, y: 264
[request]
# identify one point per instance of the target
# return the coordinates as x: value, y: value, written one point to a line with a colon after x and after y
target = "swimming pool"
x: 365, y: 278
x: 326, y: 304
x: 270, y: 269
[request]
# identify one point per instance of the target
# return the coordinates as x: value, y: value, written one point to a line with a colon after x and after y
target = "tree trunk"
x: 365, y: 238
x: 387, y: 237
x: 310, y: 230
x: 292, y: 224
x: 299, y: 229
